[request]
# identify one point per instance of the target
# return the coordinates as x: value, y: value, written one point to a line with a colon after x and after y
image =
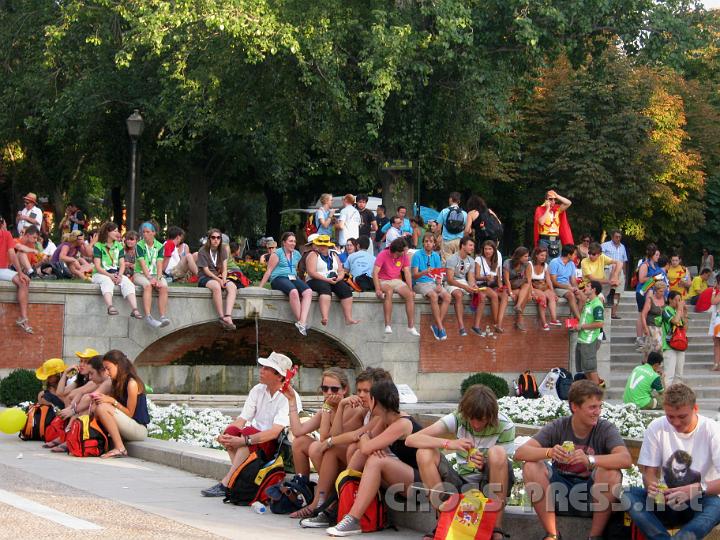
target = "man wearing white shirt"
x: 348, y: 223
x: 263, y: 417
x: 30, y: 214
x: 394, y: 231
x: 682, y: 451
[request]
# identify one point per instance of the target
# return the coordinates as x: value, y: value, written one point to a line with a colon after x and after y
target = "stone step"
x: 695, y: 368
x: 693, y: 348
x: 631, y: 355
x: 707, y: 392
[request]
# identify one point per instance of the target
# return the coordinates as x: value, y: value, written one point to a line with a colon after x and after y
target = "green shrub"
x: 21, y: 385
x: 495, y: 383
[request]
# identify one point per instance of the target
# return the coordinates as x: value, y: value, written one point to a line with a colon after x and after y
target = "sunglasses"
x: 215, y: 237
x: 333, y: 389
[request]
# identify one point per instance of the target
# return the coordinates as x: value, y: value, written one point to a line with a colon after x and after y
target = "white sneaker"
x: 348, y: 526
x: 152, y: 322
x: 388, y: 329
x: 413, y: 332
x: 301, y: 328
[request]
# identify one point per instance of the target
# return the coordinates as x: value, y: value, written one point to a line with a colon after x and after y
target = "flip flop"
x: 115, y: 454
x: 60, y: 449
x: 226, y: 325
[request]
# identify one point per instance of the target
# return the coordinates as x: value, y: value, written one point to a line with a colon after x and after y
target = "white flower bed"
x: 192, y: 426
x: 537, y: 412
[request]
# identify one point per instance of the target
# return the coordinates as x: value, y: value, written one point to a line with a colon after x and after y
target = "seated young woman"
x: 123, y: 410
x: 381, y: 468
x: 98, y: 380
x: 74, y: 381
x: 332, y: 453
x: 212, y: 267
x: 50, y: 373
x: 542, y: 290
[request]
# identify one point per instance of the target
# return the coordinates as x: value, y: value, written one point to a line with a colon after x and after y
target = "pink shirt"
x: 391, y: 268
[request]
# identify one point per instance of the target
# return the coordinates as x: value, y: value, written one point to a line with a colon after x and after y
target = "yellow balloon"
x: 12, y: 420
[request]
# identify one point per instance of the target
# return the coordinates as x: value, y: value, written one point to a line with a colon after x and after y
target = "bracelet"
x: 326, y: 408
x: 548, y: 452
x: 115, y: 404
x: 446, y: 444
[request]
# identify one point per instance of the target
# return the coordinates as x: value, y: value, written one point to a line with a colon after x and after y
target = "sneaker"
x: 321, y: 521
x: 436, y: 332
x: 301, y: 328
x: 555, y: 323
x: 462, y: 332
x: 218, y: 490
x: 413, y: 332
x: 479, y: 331
x: 443, y: 334
x: 348, y: 526
x: 546, y: 327
x: 152, y: 322
x: 164, y: 321
x: 388, y: 329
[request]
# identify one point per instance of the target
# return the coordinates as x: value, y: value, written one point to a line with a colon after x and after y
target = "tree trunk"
x: 398, y: 189
x: 117, y: 206
x: 273, y: 206
x: 198, y: 215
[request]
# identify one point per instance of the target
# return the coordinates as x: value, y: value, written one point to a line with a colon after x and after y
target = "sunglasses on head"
x: 333, y: 389
x: 215, y: 237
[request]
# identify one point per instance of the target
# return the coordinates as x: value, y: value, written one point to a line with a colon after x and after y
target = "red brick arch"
x: 208, y: 343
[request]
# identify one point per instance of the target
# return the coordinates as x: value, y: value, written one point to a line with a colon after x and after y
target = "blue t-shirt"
x: 284, y: 267
x: 447, y: 235
x: 406, y: 227
x: 360, y: 263
x: 564, y: 273
x: 321, y: 213
x: 422, y: 261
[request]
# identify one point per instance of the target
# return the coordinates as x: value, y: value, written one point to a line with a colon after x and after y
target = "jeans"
x: 695, y: 524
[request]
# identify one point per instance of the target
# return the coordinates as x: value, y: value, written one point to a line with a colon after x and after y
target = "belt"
x: 548, y: 237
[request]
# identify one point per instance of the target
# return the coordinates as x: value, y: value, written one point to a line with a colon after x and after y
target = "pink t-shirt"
x: 391, y: 268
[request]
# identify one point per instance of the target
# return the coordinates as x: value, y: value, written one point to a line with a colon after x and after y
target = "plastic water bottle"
x: 488, y: 331
x: 258, y: 507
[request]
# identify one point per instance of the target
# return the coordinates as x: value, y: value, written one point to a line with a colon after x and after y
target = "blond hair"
x: 678, y: 395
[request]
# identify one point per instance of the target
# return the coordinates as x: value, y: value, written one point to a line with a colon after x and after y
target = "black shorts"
x: 341, y: 289
x: 287, y: 285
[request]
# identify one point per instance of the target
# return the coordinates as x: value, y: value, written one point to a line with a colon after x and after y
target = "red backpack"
x: 56, y: 430
x: 38, y: 419
x: 375, y: 517
x: 86, y: 438
x: 703, y: 300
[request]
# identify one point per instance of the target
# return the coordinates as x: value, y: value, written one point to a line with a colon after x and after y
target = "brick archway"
x: 209, y: 344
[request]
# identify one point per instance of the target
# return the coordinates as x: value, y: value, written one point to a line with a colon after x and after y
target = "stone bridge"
x: 70, y: 316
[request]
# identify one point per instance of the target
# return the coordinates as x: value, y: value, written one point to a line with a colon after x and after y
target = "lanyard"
x: 288, y: 260
x: 214, y: 259
x: 113, y: 262
x: 153, y: 259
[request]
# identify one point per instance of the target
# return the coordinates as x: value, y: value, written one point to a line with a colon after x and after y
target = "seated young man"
x: 646, y: 384
x: 698, y: 285
x: 484, y: 439
x: 352, y: 419
x: 262, y: 419
x: 429, y: 285
x: 29, y: 257
x: 591, y: 467
x: 682, y: 451
x: 179, y: 262
x: 8, y: 257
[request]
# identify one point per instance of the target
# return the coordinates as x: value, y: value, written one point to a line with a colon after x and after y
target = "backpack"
x: 250, y: 481
x: 678, y: 340
x: 488, y: 227
x: 703, y: 300
x: 310, y: 226
x: 375, y: 517
x: 86, y: 438
x: 527, y: 386
x: 290, y: 495
x: 38, y: 419
x: 455, y: 220
x: 56, y: 430
x: 564, y: 383
x: 239, y: 279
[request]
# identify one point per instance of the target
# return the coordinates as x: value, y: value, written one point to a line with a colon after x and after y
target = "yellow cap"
x: 54, y: 366
x: 87, y: 353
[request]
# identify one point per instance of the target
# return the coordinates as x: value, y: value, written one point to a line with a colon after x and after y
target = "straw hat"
x: 54, y: 366
x: 87, y: 353
x: 30, y: 197
x: 323, y: 240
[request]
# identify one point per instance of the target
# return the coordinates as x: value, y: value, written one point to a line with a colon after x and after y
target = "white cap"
x: 312, y: 237
x: 278, y: 362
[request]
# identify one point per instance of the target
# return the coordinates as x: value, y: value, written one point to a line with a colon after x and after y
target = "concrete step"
x: 694, y: 348
x: 695, y: 369
x: 708, y: 392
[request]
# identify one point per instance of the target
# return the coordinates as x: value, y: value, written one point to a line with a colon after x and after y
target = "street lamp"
x: 135, y: 126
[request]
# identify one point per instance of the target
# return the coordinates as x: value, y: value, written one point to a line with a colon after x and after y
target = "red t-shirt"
x: 390, y: 267
x: 168, y: 249
x: 7, y: 242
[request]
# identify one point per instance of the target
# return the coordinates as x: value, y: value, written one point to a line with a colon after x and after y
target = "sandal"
x: 25, y: 325
x: 499, y: 329
x: 304, y: 512
x: 135, y: 314
x: 115, y: 453
x: 551, y: 536
x: 112, y: 310
x: 226, y: 325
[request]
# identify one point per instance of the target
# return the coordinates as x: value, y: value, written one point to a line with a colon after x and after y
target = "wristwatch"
x: 329, y: 442
x: 591, y: 462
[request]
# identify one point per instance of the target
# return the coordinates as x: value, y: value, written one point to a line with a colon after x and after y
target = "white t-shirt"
x: 485, y: 270
x: 262, y: 411
x: 33, y: 212
x: 685, y: 458
x: 50, y: 248
x: 350, y: 219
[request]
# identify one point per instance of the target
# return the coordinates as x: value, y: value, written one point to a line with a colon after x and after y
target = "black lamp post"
x: 135, y: 126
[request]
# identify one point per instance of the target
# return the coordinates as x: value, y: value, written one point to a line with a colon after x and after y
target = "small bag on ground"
x: 290, y: 495
x: 375, y: 517
x: 38, y: 420
x: 253, y: 477
x: 56, y: 430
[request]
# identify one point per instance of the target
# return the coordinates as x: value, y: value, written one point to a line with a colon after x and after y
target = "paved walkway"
x: 127, y: 498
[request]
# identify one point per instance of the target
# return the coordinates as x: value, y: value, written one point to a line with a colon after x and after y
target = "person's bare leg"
x: 231, y: 289
x: 294, y: 301
x: 216, y: 291
x: 324, y: 303
x: 106, y: 414
x: 409, y: 297
x: 552, y: 304
x: 241, y: 455
x: 603, y: 490
x: 457, y: 296
x: 346, y: 305
x: 498, y: 477
x: 537, y: 484
x: 23, y: 295
x: 147, y: 299
x: 305, y: 304
x: 301, y: 454
x: 479, y: 312
x: 445, y: 301
x: 387, y: 305
x: 504, y: 300
x: 163, y: 300
x: 428, y: 460
x: 434, y: 307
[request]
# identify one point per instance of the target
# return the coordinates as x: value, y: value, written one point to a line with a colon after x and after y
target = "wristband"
x: 548, y: 452
x: 446, y: 444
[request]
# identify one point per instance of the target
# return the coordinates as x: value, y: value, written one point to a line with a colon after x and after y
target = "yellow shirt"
x: 594, y: 270
x: 676, y: 276
x: 698, y: 285
x: 552, y: 227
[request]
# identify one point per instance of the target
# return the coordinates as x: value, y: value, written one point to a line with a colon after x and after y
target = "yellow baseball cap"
x: 50, y: 367
x: 87, y: 353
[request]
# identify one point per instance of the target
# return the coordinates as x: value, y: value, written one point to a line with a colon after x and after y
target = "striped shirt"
x: 614, y: 252
x: 502, y: 435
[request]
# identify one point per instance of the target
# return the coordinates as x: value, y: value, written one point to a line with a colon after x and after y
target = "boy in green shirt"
x: 644, y: 381
x: 149, y: 274
x: 590, y: 327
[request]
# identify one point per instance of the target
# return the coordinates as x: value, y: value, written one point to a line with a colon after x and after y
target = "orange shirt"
x: 551, y: 228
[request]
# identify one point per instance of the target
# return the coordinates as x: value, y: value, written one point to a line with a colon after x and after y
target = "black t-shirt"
x: 366, y: 219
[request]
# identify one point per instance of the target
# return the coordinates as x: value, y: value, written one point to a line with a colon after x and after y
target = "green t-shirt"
x: 593, y: 312
x: 151, y: 256
x: 109, y: 256
x: 668, y: 313
x: 642, y: 381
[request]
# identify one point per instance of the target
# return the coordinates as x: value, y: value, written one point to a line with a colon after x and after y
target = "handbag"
x: 678, y: 339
